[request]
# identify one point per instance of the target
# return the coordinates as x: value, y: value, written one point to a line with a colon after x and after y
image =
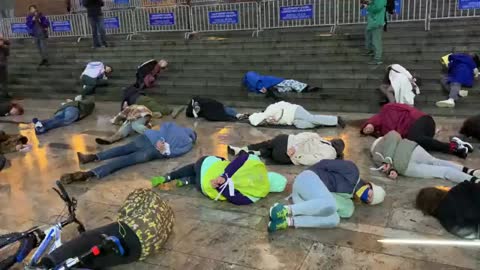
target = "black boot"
x: 86, y: 158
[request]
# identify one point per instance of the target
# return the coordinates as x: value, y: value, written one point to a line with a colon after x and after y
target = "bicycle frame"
x: 53, y: 239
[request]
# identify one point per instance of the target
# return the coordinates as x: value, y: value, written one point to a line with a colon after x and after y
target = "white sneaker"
x: 236, y: 150
x: 466, y: 144
x: 463, y: 93
x: 449, y: 103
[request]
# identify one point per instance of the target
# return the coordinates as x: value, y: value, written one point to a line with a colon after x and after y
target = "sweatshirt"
x: 180, y: 139
x: 310, y: 148
x: 339, y: 176
x: 280, y: 113
x: 394, y: 150
x: 400, y: 80
x: 94, y: 70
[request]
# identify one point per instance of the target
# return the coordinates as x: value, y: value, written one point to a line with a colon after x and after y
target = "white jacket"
x: 310, y: 148
x: 280, y: 113
x: 400, y: 80
x: 94, y: 70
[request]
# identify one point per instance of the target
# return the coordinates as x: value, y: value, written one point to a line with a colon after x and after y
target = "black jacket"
x: 94, y: 7
x: 459, y: 211
x: 210, y: 109
x: 130, y: 95
x: 4, y: 52
x: 85, y: 107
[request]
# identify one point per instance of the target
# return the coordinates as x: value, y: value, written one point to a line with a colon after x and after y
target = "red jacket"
x: 394, y: 116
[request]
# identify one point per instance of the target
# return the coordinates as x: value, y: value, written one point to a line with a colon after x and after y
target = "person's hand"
x: 160, y: 145
x: 272, y: 120
x: 263, y: 90
x: 393, y: 174
x: 291, y: 151
x: 217, y: 182
x: 386, y: 167
x: 18, y: 147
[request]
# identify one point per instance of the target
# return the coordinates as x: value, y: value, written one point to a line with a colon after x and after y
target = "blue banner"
x: 223, y: 17
x: 162, y: 18
x: 111, y: 23
x: 398, y: 8
x: 61, y: 26
x: 19, y: 28
x: 121, y: 2
x: 296, y: 12
x: 468, y: 4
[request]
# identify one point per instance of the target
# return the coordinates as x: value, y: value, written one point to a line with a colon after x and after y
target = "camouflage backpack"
x: 149, y: 217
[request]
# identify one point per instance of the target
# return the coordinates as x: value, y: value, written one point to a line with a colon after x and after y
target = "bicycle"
x: 44, y: 240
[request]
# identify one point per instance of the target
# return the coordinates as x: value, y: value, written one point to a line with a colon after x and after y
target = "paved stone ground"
x: 216, y: 235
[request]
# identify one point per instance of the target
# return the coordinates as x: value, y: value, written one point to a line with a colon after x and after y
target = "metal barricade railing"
x: 109, y: 5
x: 71, y: 25
x: 225, y: 17
x: 156, y: 3
x: 162, y: 19
x: 297, y: 13
x: 454, y: 9
x: 117, y: 22
x: 15, y: 28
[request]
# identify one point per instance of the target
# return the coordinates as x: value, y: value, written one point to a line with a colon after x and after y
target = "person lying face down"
x: 306, y: 148
x: 322, y: 194
x: 212, y: 110
x: 95, y: 74
x: 397, y: 156
x: 8, y: 108
x: 243, y: 181
x: 399, y: 85
x: 10, y: 143
x: 170, y: 141
x: 284, y: 113
x: 456, y: 208
x: 147, y: 72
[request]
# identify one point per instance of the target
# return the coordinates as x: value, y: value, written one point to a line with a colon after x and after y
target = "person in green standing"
x: 373, y: 35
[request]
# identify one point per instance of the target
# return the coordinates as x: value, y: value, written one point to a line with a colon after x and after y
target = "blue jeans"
x: 98, y: 31
x: 62, y: 118
x: 140, y: 150
x: 41, y: 43
x: 231, y: 111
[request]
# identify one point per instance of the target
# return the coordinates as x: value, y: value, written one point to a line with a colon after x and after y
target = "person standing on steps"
x: 462, y: 69
x: 373, y: 34
x: 95, y: 74
x: 4, y: 53
x: 37, y: 25
x: 95, y: 17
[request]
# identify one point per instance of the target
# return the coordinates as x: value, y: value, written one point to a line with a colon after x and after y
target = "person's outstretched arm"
x: 237, y: 198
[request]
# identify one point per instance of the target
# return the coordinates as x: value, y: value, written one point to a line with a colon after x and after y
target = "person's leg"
x: 89, y: 85
x: 43, y: 48
x: 101, y: 82
x: 101, y: 31
x: 139, y: 125
x: 368, y: 40
x: 93, y: 25
x: 445, y: 84
x: 3, y: 79
x: 422, y: 132
x: 304, y: 119
x: 124, y: 131
x: 62, y: 118
x: 388, y: 91
x: 137, y: 144
x: 264, y: 148
x: 455, y: 91
x: 231, y: 112
x: 377, y: 43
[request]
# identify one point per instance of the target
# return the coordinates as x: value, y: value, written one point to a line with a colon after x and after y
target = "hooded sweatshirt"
x: 394, y: 150
x: 280, y: 113
x: 180, y: 139
x: 461, y: 69
x: 310, y: 148
x: 94, y: 70
x: 340, y: 176
x: 401, y: 84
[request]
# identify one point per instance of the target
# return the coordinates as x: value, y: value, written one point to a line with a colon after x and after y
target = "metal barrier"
x: 118, y: 22
x: 109, y: 5
x: 297, y: 13
x: 162, y: 19
x: 157, y: 3
x: 15, y: 28
x: 225, y: 17
x: 454, y: 9
x: 72, y: 25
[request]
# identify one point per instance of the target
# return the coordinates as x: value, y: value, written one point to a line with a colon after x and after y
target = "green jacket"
x: 394, y: 150
x: 85, y: 107
x: 153, y: 105
x: 345, y: 206
x: 376, y: 14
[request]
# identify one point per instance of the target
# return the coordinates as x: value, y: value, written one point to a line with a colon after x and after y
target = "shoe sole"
x: 444, y: 105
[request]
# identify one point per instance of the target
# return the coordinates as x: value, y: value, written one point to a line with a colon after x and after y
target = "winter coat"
x: 44, y: 23
x: 460, y: 69
x: 340, y: 176
x: 376, y: 14
x: 4, y: 52
x: 310, y: 148
x: 180, y: 139
x: 8, y: 142
x: 255, y: 82
x: 94, y: 7
x: 394, y: 150
x: 471, y: 127
x: 210, y: 109
x: 459, y: 210
x: 403, y: 89
x: 280, y: 113
x: 394, y: 116
x: 85, y: 107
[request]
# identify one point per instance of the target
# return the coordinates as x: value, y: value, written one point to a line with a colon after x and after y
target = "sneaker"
x: 278, y: 211
x: 69, y: 178
x: 102, y: 141
x: 158, y: 180
x: 232, y: 150
x: 461, y: 152
x: 463, y: 93
x: 475, y: 173
x: 86, y: 158
x: 465, y: 144
x: 368, y: 53
x: 340, y: 122
x: 276, y: 225
x: 375, y: 62
x: 449, y: 103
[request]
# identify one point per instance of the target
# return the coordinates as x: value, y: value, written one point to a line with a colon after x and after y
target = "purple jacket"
x: 44, y: 24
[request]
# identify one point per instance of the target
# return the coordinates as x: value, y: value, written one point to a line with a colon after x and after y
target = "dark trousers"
x: 422, y: 132
x: 276, y: 149
x: 3, y: 78
x: 98, y: 31
x: 190, y: 173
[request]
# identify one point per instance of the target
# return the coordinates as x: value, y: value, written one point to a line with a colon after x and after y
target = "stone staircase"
x: 213, y: 64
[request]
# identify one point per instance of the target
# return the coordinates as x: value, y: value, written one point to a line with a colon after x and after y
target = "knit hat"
x: 277, y: 181
x: 375, y: 144
x: 339, y: 146
x: 378, y: 194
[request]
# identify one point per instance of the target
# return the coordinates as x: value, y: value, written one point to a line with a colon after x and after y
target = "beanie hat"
x: 339, y: 146
x: 375, y: 144
x: 378, y: 194
x: 277, y: 181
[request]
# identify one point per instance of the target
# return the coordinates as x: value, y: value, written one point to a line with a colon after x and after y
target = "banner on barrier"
x: 121, y: 2
x: 468, y: 4
x: 296, y: 12
x: 223, y: 17
x: 19, y: 28
x: 157, y: 19
x: 61, y: 26
x: 111, y: 23
x: 398, y: 8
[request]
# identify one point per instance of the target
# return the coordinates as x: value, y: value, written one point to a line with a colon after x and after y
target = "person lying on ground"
x: 243, y: 181
x: 134, y: 95
x: 9, y: 108
x: 143, y: 225
x: 170, y: 141
x: 10, y: 143
x: 133, y: 119
x: 397, y: 156
x: 462, y: 69
x: 471, y: 127
x: 287, y: 114
x: 261, y: 84
x: 95, y: 74
x: 323, y: 194
x: 212, y: 110
x: 69, y: 112
x: 456, y: 208
x: 399, y: 85
x: 148, y: 72
x: 414, y: 125
x: 306, y: 148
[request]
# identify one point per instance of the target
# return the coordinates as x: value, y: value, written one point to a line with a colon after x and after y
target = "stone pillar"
x: 47, y: 7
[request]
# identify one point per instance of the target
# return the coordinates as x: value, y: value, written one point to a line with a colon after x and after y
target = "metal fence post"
x: 428, y: 15
x: 336, y: 10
